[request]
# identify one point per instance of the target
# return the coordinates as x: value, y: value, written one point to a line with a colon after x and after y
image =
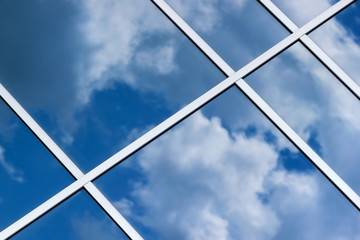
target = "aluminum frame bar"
x: 261, y: 104
x: 69, y: 165
x: 173, y: 120
x: 327, y: 61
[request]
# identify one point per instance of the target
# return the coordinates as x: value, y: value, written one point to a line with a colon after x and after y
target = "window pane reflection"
x: 29, y: 174
x: 79, y: 218
x: 224, y: 176
x: 312, y: 101
x: 97, y: 74
x: 238, y: 31
x: 340, y: 39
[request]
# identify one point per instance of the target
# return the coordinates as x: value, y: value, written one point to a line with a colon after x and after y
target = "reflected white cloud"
x: 206, y: 15
x: 339, y: 41
x: 311, y: 99
x: 115, y: 29
x: 302, y: 11
x: 160, y: 59
x: 203, y: 182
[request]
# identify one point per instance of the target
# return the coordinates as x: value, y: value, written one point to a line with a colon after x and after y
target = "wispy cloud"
x: 205, y: 15
x: 87, y: 227
x: 15, y: 174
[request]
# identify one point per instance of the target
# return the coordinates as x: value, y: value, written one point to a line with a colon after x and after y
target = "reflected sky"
x: 98, y: 74
x: 340, y: 39
x: 102, y: 77
x: 79, y: 218
x: 206, y: 180
x: 312, y: 101
x: 29, y: 174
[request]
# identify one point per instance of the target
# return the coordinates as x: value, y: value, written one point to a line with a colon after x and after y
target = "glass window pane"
x: 312, y: 101
x: 97, y: 74
x: 227, y: 173
x: 340, y: 39
x: 238, y: 31
x: 79, y: 218
x: 303, y: 11
x: 29, y: 174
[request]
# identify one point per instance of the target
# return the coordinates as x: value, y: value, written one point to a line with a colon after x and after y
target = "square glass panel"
x: 227, y: 173
x: 79, y: 218
x: 303, y: 11
x: 239, y: 31
x: 96, y: 74
x: 340, y: 39
x: 316, y: 105
x: 29, y: 174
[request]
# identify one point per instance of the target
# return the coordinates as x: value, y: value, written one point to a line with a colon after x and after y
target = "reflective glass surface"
x: 79, y: 218
x: 29, y: 174
x: 340, y: 39
x: 227, y: 173
x: 97, y: 74
x: 303, y: 11
x: 239, y: 31
x: 319, y: 108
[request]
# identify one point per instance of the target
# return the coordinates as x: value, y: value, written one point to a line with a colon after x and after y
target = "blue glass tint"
x: 303, y: 11
x: 318, y: 107
x: 79, y: 218
x: 29, y: 174
x: 227, y: 173
x: 340, y: 39
x: 239, y: 31
x: 97, y: 74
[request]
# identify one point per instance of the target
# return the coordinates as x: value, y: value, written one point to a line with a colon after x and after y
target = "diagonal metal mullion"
x: 340, y: 74
x: 69, y: 165
x: 262, y: 105
x: 175, y: 119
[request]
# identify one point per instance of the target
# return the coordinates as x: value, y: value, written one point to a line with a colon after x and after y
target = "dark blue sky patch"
x: 270, y: 138
x: 294, y: 161
x: 314, y: 142
x: 250, y: 131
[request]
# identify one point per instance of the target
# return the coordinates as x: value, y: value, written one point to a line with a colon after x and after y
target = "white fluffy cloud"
x: 203, y: 182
